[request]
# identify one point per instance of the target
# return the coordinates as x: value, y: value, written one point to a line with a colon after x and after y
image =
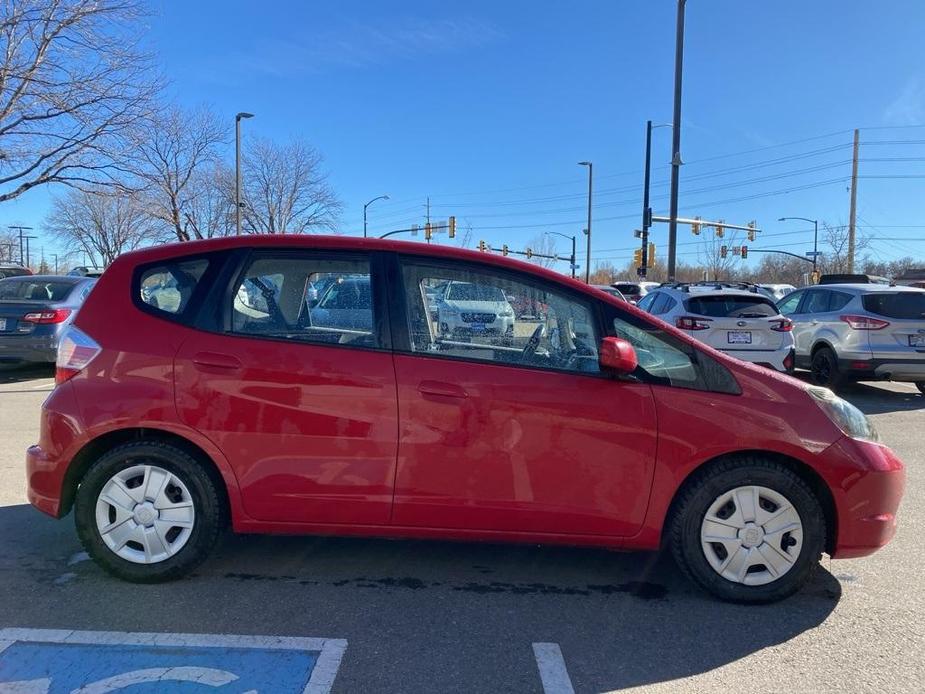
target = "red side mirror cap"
x: 617, y: 355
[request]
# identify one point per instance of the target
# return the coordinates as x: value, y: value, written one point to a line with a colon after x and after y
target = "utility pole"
x: 588, y: 230
x: 646, y: 213
x: 22, y: 246
x: 676, y: 144
x: 55, y: 255
x: 428, y: 214
x: 852, y: 212
x: 28, y: 255
x: 237, y: 170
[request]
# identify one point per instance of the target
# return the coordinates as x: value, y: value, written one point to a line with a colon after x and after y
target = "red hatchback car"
x: 300, y: 385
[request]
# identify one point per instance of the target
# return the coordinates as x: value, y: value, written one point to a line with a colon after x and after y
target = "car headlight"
x: 843, y: 414
x: 507, y: 313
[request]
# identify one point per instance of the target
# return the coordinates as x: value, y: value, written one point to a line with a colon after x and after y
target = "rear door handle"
x: 442, y: 389
x: 211, y: 361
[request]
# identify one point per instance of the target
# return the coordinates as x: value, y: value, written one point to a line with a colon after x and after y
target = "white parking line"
x: 553, y: 672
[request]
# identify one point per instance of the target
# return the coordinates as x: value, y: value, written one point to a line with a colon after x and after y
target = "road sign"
x: 813, y: 254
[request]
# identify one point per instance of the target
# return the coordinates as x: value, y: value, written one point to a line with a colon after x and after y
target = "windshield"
x: 31, y: 290
x: 627, y: 288
x: 732, y: 306
x: 465, y: 291
x: 902, y: 305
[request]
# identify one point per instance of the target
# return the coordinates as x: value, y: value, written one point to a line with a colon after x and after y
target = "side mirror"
x: 618, y: 356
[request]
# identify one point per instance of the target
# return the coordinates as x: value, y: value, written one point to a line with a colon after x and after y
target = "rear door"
x: 904, y: 335
x: 738, y: 322
x: 300, y: 401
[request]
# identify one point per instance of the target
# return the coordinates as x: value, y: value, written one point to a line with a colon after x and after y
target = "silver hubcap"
x: 145, y: 514
x: 751, y: 535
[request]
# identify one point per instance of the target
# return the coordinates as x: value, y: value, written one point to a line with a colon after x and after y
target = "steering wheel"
x: 534, y: 342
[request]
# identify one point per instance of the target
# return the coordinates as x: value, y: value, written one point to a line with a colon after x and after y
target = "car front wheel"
x: 148, y: 512
x: 748, y: 531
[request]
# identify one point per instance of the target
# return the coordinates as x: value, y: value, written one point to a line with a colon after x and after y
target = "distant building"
x: 913, y: 277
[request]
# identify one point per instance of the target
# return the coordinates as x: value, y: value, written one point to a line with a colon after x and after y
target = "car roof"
x: 699, y: 292
x: 861, y: 288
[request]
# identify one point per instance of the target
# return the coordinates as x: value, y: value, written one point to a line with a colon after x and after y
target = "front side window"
x: 666, y: 360
x: 169, y: 286
x: 645, y: 303
x: 479, y: 315
x: 306, y: 300
x: 789, y: 305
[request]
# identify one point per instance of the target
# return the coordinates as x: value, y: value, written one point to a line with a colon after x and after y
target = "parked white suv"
x: 744, y: 324
x: 466, y: 309
x: 856, y: 332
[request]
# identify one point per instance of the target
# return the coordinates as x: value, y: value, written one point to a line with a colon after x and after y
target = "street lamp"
x: 675, y: 144
x: 815, y: 237
x: 588, y: 230
x: 572, y: 239
x: 646, y: 210
x: 381, y: 197
x: 237, y: 170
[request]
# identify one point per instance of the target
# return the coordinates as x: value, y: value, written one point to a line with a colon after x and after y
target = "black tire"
x: 824, y: 369
x: 707, y: 487
x: 921, y: 386
x: 210, y: 513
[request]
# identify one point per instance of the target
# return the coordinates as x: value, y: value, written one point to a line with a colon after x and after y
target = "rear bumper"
x: 867, y: 497
x: 884, y: 369
x: 776, y: 359
x: 16, y: 349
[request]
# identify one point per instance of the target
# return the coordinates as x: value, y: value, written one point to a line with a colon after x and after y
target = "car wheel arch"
x: 803, y: 470
x: 822, y: 344
x: 98, y: 445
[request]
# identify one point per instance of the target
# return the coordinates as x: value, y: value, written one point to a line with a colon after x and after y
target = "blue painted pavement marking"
x: 69, y: 662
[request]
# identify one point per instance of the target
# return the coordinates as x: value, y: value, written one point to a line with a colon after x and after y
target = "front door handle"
x: 442, y: 389
x: 215, y: 361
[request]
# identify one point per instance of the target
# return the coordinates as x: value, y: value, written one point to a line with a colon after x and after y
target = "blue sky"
x: 487, y: 107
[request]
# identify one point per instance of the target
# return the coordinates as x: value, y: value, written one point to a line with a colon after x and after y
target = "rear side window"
x: 901, y: 305
x: 732, y: 306
x: 320, y: 300
x: 169, y: 286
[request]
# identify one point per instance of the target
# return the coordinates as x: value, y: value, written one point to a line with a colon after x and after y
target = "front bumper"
x: 871, y: 480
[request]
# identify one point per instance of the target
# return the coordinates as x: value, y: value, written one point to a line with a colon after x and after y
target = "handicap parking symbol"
x: 48, y: 661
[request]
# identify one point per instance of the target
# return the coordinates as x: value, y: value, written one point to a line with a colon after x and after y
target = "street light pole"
x: 237, y: 170
x: 572, y: 239
x: 646, y: 210
x: 676, y: 144
x: 588, y: 230
x: 381, y: 197
x: 815, y: 237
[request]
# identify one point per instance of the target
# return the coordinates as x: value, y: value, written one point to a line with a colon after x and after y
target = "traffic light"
x: 504, y: 249
x: 695, y: 227
x: 720, y: 231
x: 529, y: 252
x: 744, y: 252
x: 481, y: 245
x: 651, y: 259
x: 637, y: 257
x: 427, y: 231
x: 451, y: 227
x: 751, y: 230
x: 723, y: 251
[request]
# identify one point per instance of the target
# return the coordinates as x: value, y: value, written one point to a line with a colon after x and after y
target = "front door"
x: 515, y: 429
x: 299, y: 394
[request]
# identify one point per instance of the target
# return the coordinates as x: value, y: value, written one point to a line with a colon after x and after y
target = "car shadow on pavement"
x: 417, y: 609
x: 872, y: 399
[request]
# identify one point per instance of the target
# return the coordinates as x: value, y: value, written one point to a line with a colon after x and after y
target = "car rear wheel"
x: 824, y: 368
x: 748, y: 531
x: 148, y: 512
x: 921, y: 386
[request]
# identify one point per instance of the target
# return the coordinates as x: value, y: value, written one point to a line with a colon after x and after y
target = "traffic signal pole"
x: 646, y: 212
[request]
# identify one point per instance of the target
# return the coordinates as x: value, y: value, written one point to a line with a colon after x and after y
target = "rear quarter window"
x: 167, y: 287
x: 901, y: 305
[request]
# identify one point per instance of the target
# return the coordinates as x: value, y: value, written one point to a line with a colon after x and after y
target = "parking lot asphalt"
x: 435, y: 616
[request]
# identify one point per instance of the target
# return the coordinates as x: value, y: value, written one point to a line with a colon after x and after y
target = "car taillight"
x: 865, y: 322
x: 692, y: 323
x: 54, y: 315
x: 75, y: 350
x: 784, y: 325
x: 788, y: 361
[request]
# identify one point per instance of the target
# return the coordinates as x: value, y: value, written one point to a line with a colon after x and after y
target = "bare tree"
x: 709, y: 252
x: 544, y: 244
x: 178, y: 156
x: 285, y: 190
x: 209, y: 210
x: 102, y: 224
x: 72, y: 86
x: 835, y: 259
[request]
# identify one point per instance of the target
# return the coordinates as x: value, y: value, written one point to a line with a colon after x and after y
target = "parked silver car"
x: 856, y: 332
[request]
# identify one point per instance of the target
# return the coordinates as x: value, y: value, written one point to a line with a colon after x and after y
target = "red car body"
x: 310, y: 438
